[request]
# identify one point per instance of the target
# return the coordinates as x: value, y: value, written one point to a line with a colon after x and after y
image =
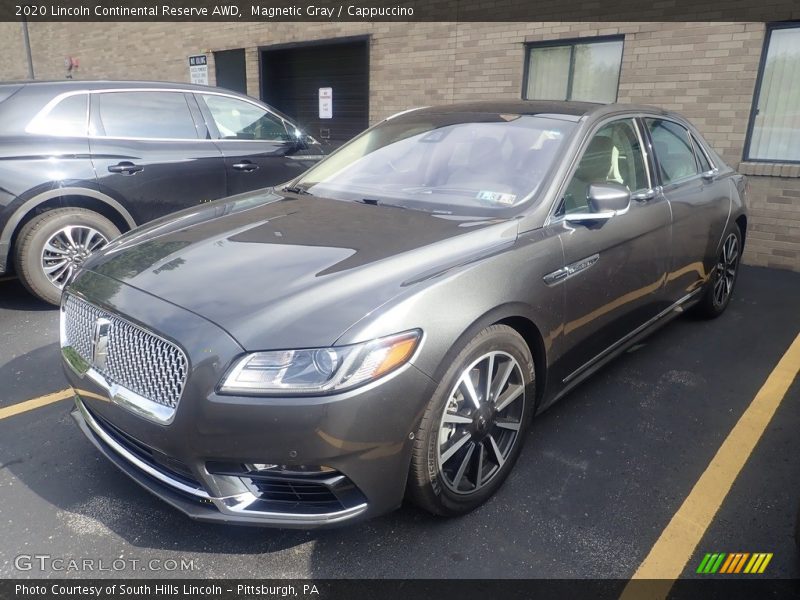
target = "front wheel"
x: 720, y: 288
x: 474, y: 425
x: 52, y: 245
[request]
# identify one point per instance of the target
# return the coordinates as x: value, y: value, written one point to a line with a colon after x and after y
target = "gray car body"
x: 270, y: 270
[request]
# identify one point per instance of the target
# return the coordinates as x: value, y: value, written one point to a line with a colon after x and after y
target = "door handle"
x: 245, y: 166
x: 126, y: 168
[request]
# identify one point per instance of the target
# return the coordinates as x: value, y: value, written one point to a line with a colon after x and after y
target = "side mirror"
x: 299, y: 139
x: 606, y: 200
x: 609, y: 196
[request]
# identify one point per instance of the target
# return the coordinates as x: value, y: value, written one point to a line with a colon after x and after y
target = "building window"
x: 775, y: 122
x: 577, y: 70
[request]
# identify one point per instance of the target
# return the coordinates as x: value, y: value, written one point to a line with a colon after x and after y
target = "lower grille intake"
x: 290, y: 490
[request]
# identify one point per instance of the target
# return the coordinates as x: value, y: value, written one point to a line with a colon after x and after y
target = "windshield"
x: 464, y: 164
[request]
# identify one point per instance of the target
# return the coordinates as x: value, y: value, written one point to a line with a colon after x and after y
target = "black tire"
x: 428, y: 484
x: 34, y: 235
x: 710, y: 306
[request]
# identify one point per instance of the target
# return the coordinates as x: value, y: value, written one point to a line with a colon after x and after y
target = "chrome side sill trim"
x: 630, y: 335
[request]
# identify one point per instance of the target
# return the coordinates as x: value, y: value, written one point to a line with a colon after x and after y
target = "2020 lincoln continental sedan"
x: 387, y: 325
x: 82, y: 161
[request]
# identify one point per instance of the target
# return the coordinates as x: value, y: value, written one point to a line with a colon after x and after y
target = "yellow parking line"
x: 673, y: 549
x: 15, y: 409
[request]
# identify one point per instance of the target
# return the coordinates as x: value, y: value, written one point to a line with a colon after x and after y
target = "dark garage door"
x: 291, y: 79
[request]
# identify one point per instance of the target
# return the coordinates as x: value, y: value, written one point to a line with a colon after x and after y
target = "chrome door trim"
x: 44, y: 112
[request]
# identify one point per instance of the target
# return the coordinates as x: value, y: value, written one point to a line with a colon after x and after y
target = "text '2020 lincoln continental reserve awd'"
x: 386, y: 325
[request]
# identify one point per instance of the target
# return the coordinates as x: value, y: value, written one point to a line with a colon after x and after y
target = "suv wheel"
x: 52, y: 245
x: 474, y: 425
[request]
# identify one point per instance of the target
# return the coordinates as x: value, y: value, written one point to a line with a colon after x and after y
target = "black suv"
x: 81, y: 162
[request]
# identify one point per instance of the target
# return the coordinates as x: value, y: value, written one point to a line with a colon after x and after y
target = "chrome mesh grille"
x: 137, y: 360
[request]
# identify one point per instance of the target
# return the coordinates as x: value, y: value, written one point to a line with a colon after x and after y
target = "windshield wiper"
x: 375, y: 202
x: 296, y: 189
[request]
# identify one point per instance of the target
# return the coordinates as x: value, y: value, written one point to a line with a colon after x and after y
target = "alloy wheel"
x: 481, y: 422
x: 66, y: 249
x: 726, y: 270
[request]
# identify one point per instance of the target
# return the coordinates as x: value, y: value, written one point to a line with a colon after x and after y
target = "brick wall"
x: 773, y: 237
x: 706, y: 71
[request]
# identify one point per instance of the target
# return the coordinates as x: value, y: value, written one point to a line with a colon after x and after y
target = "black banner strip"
x: 710, y: 588
x: 400, y: 10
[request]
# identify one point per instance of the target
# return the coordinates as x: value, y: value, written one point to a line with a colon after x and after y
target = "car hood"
x: 277, y: 271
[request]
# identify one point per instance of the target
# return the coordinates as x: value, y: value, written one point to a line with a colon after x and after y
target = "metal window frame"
x: 757, y: 94
x: 44, y: 113
x: 570, y: 43
x: 649, y: 159
x: 692, y: 147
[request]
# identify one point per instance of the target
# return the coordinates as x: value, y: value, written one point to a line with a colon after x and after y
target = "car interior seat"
x: 595, y: 167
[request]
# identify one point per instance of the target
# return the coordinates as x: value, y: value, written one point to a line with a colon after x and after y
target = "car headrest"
x: 596, y: 162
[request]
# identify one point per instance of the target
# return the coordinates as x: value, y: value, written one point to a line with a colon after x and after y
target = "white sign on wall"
x: 326, y: 103
x: 198, y: 69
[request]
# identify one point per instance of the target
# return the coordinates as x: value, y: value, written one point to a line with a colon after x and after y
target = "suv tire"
x: 59, y: 239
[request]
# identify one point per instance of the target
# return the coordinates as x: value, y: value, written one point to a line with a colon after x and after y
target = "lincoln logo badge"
x: 102, y: 328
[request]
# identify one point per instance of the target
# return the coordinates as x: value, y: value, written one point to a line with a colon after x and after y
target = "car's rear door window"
x: 146, y: 115
x: 673, y: 150
x: 239, y: 120
x: 67, y: 118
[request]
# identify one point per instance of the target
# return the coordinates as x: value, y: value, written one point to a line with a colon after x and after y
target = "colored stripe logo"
x: 736, y: 562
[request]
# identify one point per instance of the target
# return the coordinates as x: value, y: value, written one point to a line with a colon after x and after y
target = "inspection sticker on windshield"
x: 497, y: 197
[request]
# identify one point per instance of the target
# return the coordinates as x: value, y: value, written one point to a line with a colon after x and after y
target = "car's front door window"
x: 614, y: 155
x: 240, y: 120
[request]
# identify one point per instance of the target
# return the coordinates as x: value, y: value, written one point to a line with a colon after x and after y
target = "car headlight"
x: 319, y: 370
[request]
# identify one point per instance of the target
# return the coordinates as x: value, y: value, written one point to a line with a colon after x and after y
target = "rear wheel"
x: 475, y: 424
x: 720, y: 288
x: 52, y: 245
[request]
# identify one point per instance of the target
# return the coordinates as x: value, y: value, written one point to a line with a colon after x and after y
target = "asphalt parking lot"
x: 602, y: 473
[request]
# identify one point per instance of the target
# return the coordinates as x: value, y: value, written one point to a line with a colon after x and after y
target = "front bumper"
x: 192, y: 500
x: 337, y: 458
x: 361, y: 439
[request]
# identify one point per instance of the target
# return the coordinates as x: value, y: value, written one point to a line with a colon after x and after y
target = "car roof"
x: 569, y: 110
x: 106, y: 84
